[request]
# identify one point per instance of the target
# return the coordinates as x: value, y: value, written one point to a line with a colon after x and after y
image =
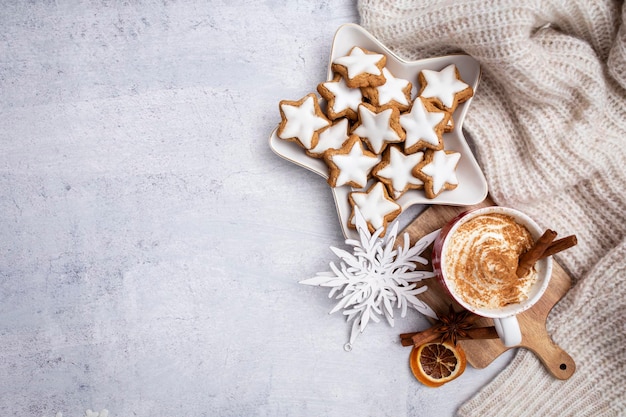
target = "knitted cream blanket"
x: 548, y: 123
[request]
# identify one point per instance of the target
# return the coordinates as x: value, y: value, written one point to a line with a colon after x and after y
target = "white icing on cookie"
x: 331, y: 138
x: 399, y: 170
x: 421, y: 124
x: 443, y: 85
x: 355, y: 166
x: 376, y: 128
x: 442, y: 169
x: 302, y: 121
x: 392, y: 90
x: 345, y: 97
x: 374, y: 205
x: 358, y: 62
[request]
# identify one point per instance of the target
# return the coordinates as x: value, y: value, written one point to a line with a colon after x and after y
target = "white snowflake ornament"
x: 373, y: 278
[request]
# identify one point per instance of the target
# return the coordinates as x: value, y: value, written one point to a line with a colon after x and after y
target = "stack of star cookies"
x: 374, y: 137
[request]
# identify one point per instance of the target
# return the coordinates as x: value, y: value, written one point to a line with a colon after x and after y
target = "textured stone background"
x: 150, y: 241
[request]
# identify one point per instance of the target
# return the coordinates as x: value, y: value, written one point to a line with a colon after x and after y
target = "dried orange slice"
x: 434, y: 364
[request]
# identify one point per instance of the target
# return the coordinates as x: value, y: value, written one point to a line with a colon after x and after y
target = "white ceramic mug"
x: 504, y: 318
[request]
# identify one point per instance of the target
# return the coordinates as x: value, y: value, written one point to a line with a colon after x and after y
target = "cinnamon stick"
x: 481, y: 333
x: 560, y: 245
x: 528, y: 259
x: 408, y: 339
x: 419, y: 338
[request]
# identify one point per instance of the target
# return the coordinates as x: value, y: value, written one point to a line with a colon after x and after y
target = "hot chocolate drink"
x: 481, y: 260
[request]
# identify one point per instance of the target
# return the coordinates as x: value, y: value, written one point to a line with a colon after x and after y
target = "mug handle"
x: 508, y: 330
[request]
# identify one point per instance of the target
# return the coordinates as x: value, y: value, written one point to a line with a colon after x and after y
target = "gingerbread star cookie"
x: 395, y: 92
x: 301, y: 121
x: 332, y: 137
x: 396, y: 171
x: 438, y: 171
x: 377, y: 208
x: 343, y: 101
x: 444, y: 88
x: 361, y: 68
x: 424, y: 126
x: 377, y: 127
x: 351, y: 165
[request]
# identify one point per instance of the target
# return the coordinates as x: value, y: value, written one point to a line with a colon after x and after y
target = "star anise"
x: 454, y: 325
x: 451, y: 327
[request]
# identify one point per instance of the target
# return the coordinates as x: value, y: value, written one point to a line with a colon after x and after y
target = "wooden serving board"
x: 535, y: 337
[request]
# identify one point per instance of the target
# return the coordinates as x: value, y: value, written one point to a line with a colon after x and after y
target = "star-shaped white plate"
x: 472, y: 188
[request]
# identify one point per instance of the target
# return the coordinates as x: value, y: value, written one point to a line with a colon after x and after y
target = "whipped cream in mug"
x: 481, y: 261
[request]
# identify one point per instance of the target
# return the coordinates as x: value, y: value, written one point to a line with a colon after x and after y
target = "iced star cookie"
x: 424, y: 126
x: 377, y: 208
x: 351, y: 164
x: 378, y: 128
x: 395, y: 92
x: 444, y: 88
x: 396, y: 171
x: 438, y: 171
x: 332, y: 137
x: 301, y: 121
x: 361, y: 68
x: 343, y: 101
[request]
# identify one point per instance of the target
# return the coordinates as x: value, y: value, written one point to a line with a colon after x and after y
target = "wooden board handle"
x: 558, y: 362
